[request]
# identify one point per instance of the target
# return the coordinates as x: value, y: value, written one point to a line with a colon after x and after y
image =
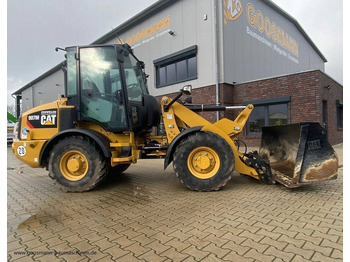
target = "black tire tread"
x: 193, y: 141
x: 101, y: 169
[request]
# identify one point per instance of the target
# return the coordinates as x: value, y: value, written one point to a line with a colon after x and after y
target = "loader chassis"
x: 105, y: 123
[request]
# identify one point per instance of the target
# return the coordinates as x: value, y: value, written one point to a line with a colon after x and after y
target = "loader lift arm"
x: 180, y: 122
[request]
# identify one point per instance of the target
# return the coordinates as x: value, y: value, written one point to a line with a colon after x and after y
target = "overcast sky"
x: 36, y: 27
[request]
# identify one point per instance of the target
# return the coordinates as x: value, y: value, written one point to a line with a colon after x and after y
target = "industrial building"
x: 232, y: 52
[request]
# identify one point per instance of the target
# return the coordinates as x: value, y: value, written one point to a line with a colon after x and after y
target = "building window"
x: 175, y: 68
x: 270, y: 112
x: 340, y: 113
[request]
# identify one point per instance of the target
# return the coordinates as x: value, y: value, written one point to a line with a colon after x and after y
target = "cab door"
x: 136, y: 89
x: 99, y: 71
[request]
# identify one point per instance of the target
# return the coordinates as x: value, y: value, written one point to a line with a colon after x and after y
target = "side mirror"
x: 187, y: 90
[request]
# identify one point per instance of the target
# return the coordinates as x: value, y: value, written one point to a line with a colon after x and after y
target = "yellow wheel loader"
x: 104, y: 124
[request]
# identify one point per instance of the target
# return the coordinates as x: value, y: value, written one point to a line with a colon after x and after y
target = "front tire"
x: 77, y: 165
x: 204, y: 161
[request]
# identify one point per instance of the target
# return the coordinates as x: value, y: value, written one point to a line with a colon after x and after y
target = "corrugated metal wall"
x: 187, y: 19
x: 46, y: 90
x: 249, y: 49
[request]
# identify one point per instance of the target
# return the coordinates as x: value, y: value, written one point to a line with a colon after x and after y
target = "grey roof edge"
x: 36, y: 80
x: 111, y: 34
x: 130, y: 22
x: 290, y: 74
x: 296, y: 23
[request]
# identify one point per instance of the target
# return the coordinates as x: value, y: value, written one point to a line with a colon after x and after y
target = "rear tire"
x: 204, y: 161
x: 77, y: 165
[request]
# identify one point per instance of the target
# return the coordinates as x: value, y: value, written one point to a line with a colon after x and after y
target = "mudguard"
x: 170, y: 152
x: 102, y: 142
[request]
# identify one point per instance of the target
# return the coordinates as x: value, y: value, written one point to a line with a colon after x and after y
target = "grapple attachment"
x: 298, y: 154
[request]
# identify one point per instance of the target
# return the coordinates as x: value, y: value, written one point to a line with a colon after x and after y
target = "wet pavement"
x: 146, y: 214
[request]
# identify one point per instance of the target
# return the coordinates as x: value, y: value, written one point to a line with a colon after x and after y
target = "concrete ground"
x: 148, y: 215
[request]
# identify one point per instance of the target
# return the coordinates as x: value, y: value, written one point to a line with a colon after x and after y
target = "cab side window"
x: 71, y: 73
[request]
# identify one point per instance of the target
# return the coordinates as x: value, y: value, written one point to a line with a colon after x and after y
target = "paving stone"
x: 116, y: 252
x: 129, y: 258
x: 233, y: 256
x: 199, y: 243
x: 234, y: 238
x: 218, y: 251
x: 137, y: 249
x: 314, y: 240
x: 252, y: 253
x: 307, y: 254
x: 326, y: 251
x: 337, y: 254
x: 258, y: 246
x: 259, y: 223
x: 152, y: 256
x: 285, y: 255
x: 103, y: 244
x: 177, y: 244
x: 123, y: 241
x: 333, y: 238
x: 319, y: 257
x: 211, y: 258
x: 271, y: 242
x: 158, y: 247
x: 196, y: 253
x: 298, y: 258
x: 161, y: 237
x: 239, y: 249
x: 174, y: 255
x: 15, y: 245
x: 294, y: 241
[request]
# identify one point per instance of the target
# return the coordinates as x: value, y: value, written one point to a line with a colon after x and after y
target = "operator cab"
x: 107, y: 85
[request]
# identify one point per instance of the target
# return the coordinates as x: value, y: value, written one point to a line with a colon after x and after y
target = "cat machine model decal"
x: 43, y: 119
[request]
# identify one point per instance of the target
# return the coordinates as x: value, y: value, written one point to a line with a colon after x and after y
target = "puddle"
x: 26, y: 221
x: 141, y: 192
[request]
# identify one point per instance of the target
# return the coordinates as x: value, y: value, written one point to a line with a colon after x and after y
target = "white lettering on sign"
x: 33, y: 117
x: 273, y: 31
x: 274, y: 47
x: 48, y: 120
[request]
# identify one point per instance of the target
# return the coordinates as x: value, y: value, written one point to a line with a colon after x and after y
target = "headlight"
x: 15, y: 132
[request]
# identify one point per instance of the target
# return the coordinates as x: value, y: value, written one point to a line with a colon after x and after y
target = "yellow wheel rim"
x: 73, y: 165
x: 203, y: 162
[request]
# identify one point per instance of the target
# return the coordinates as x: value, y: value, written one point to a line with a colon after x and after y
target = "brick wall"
x: 203, y: 95
x: 305, y: 89
x: 331, y: 95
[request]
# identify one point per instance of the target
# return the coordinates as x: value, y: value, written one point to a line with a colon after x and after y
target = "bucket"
x: 298, y: 154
